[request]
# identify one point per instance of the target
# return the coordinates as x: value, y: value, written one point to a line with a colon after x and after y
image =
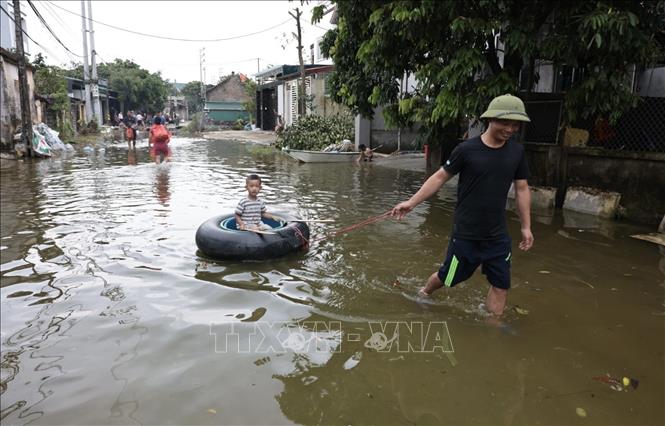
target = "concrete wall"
x: 380, y: 134
x: 638, y: 177
x: 321, y: 104
x: 10, y: 102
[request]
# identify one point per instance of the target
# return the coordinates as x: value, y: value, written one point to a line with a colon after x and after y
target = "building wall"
x: 225, y: 111
x: 231, y: 90
x: 10, y: 101
x: 7, y: 30
x: 227, y: 115
x: 622, y: 172
x: 322, y: 104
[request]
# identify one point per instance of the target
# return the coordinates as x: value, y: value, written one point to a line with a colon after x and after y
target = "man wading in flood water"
x: 487, y: 165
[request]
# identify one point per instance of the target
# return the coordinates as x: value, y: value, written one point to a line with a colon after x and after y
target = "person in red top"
x: 159, y: 139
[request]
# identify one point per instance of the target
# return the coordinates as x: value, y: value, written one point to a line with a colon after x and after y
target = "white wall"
x: 280, y: 100
x: 7, y: 31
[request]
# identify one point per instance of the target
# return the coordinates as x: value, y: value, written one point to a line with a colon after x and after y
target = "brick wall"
x: 232, y: 90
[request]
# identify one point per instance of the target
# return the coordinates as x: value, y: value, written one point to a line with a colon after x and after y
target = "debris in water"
x: 212, y: 411
x: 584, y: 282
x: 521, y: 311
x: 544, y: 272
x: 616, y: 384
x: 580, y: 411
x: 353, y: 361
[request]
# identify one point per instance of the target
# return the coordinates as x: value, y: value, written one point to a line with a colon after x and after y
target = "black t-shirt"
x: 485, y: 177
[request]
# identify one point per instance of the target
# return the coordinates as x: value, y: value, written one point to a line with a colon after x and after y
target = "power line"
x: 174, y: 38
x: 59, y: 20
x: 28, y: 35
x: 72, y: 56
x: 43, y: 21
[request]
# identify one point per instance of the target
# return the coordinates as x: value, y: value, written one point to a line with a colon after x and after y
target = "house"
x: 176, y: 105
x: 10, y: 102
x: 226, y: 101
x: 277, y: 94
x: 76, y: 91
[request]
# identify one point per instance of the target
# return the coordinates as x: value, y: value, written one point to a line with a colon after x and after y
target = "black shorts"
x: 464, y: 256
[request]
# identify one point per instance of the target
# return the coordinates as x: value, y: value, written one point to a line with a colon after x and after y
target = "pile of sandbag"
x: 50, y: 135
x: 45, y: 140
x: 344, y: 146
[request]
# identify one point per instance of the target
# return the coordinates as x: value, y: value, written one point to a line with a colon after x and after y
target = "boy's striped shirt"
x: 250, y: 210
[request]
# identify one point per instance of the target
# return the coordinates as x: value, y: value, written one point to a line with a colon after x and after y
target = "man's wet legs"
x: 433, y: 283
x: 496, y: 300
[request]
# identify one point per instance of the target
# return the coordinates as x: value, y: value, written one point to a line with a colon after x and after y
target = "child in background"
x: 366, y: 154
x: 252, y: 209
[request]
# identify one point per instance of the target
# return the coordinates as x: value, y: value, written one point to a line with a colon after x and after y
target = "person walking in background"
x: 130, y: 131
x: 487, y: 165
x: 158, y: 140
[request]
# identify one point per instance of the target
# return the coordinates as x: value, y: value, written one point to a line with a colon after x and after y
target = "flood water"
x: 110, y: 316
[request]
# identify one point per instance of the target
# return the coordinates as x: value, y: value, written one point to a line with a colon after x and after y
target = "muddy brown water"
x: 110, y: 316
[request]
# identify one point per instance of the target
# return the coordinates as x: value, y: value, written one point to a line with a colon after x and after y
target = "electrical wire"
x: 174, y: 38
x: 43, y: 21
x: 60, y: 21
x: 28, y: 35
x: 55, y: 17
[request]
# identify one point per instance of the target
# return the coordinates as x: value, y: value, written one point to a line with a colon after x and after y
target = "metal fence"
x: 641, y: 129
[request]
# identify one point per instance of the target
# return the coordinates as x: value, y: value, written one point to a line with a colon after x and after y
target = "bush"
x: 193, y: 128
x: 65, y: 130
x: 313, y: 132
x: 239, y: 124
x: 91, y: 128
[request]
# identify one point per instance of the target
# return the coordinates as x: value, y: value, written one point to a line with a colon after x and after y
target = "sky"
x: 192, y: 20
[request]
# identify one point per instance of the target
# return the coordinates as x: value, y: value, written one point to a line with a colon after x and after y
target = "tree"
x: 192, y: 94
x: 138, y: 88
x: 51, y: 84
x: 302, y: 110
x: 250, y: 104
x: 465, y: 53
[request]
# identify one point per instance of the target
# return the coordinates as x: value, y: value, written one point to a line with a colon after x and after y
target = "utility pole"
x: 26, y: 117
x: 86, y: 71
x: 303, y: 93
x: 258, y: 65
x: 202, y: 55
x: 94, y: 88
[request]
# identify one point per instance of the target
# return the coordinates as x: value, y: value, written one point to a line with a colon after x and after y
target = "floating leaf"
x: 212, y: 411
x: 521, y: 311
x: 580, y: 411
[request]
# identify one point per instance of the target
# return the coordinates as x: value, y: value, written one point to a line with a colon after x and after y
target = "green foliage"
x: 50, y: 84
x: 313, y: 132
x: 194, y: 127
x: 91, y: 128
x: 250, y: 105
x: 138, y: 89
x: 192, y: 94
x: 239, y: 124
x: 65, y: 130
x: 450, y: 48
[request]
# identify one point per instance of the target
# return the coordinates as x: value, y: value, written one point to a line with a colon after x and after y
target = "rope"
x: 349, y: 228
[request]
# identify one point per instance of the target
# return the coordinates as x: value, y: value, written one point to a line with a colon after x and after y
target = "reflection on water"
x: 110, y: 316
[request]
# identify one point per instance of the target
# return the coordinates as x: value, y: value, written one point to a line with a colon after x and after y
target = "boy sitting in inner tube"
x: 251, y: 209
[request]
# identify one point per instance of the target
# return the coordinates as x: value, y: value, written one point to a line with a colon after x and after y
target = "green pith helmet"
x: 506, y: 107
